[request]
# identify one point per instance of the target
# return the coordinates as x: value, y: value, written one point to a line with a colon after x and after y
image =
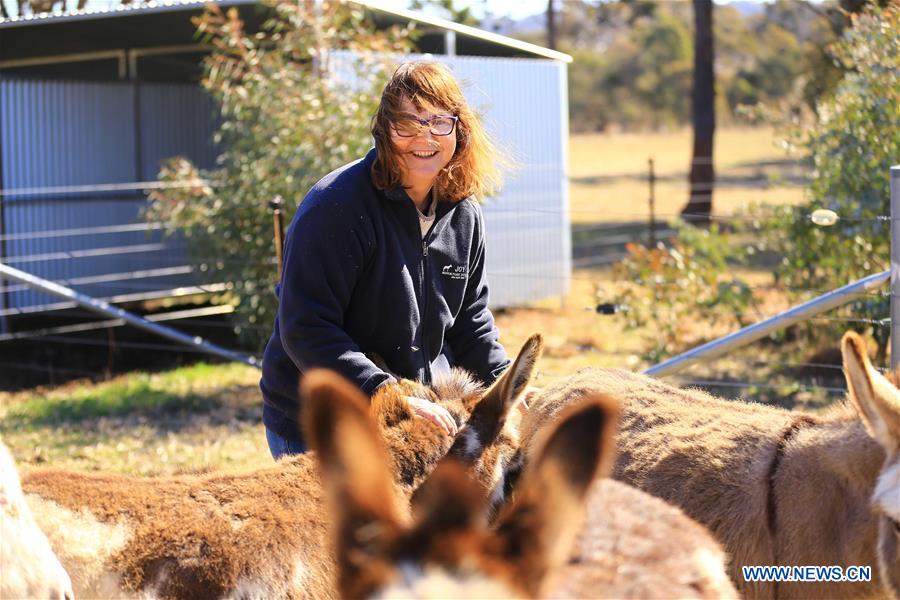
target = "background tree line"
x: 634, y: 59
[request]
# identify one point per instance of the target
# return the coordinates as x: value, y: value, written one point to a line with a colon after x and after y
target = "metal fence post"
x: 895, y: 266
x: 651, y: 179
x: 277, y: 205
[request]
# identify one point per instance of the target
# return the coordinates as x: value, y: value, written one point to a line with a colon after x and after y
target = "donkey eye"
x: 894, y: 524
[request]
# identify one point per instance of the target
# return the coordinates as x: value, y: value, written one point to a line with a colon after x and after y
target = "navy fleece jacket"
x: 359, y: 278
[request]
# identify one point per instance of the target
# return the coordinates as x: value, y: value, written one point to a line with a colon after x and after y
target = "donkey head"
x: 485, y: 441
x: 878, y: 403
x: 448, y: 551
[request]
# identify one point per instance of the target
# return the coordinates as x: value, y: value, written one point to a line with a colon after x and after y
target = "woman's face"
x: 424, y: 154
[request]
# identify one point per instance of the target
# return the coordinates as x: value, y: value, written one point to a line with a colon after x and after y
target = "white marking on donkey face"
x: 887, y: 492
x: 497, y: 495
x: 412, y: 582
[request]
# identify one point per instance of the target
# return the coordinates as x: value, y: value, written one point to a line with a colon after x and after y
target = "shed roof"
x: 161, y: 23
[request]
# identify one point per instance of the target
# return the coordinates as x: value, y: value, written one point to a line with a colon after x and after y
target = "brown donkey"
x: 632, y: 545
x: 775, y: 487
x: 259, y: 534
x: 447, y: 551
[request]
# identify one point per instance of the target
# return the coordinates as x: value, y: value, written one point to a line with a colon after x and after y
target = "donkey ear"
x: 489, y: 415
x: 516, y: 378
x: 355, y: 470
x: 541, y: 524
x: 875, y: 398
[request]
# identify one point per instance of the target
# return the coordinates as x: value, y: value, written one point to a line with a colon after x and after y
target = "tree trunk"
x: 3, y: 12
x: 551, y: 26
x: 698, y: 210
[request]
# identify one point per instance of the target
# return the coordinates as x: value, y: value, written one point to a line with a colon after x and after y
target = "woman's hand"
x: 435, y: 413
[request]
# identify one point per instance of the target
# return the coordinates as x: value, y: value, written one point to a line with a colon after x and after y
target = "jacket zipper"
x: 424, y: 271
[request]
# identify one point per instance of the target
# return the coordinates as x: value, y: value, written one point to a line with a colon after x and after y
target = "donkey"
x: 447, y: 550
x: 257, y: 534
x: 28, y: 566
x: 775, y: 487
x: 632, y: 545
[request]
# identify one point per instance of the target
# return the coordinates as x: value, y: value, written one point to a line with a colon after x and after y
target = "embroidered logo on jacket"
x: 456, y: 271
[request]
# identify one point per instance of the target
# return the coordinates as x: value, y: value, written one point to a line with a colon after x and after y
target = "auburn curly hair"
x: 430, y: 86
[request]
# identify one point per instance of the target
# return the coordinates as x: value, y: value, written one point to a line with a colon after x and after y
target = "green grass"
x: 187, y: 389
x: 187, y: 419
x: 132, y: 398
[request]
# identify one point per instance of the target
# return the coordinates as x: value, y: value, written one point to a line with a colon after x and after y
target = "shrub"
x: 296, y: 102
x: 850, y: 150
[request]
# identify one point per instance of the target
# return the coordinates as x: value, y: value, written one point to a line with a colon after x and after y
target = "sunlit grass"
x: 190, y: 418
x: 608, y: 174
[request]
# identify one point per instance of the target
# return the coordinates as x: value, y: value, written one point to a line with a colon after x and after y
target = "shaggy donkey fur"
x: 28, y: 566
x: 252, y: 535
x: 631, y: 545
x: 448, y: 551
x: 775, y: 487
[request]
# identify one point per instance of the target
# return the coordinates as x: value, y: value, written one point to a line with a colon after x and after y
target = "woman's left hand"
x: 435, y: 413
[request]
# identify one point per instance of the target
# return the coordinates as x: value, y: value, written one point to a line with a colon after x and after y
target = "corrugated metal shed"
x: 73, y: 152
x: 524, y: 104
x: 56, y: 136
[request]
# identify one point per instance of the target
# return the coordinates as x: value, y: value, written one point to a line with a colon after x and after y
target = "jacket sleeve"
x: 325, y: 253
x: 473, y: 336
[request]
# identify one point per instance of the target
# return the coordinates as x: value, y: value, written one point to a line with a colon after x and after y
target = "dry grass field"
x: 608, y: 173
x: 203, y: 416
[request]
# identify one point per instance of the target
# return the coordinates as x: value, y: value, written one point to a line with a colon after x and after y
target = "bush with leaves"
x: 675, y: 286
x: 850, y: 149
x: 296, y: 103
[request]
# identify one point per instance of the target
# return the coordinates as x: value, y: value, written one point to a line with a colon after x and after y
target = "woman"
x: 386, y: 256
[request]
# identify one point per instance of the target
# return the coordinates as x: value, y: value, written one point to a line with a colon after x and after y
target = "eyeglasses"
x: 413, y: 126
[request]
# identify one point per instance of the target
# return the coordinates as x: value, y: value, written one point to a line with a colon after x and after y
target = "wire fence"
x: 595, y: 244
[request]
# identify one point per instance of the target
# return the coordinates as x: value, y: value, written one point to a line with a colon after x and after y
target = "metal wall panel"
x: 74, y: 135
x: 177, y: 120
x: 523, y: 104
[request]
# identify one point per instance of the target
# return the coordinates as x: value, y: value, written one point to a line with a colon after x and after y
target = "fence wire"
x: 139, y: 280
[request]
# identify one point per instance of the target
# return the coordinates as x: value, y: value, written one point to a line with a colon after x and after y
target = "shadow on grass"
x: 138, y: 402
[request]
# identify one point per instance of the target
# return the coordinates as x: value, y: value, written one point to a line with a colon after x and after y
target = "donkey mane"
x: 783, y: 441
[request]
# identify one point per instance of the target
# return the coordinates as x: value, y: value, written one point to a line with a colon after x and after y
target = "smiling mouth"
x: 426, y: 154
